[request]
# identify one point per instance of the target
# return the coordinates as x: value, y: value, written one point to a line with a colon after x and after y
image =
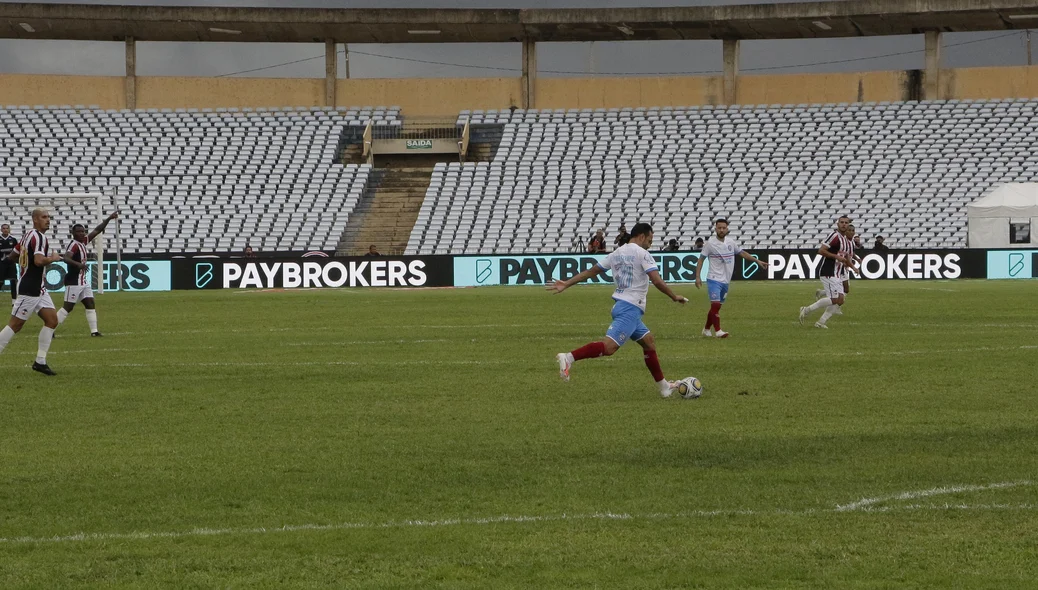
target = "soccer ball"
x: 690, y: 388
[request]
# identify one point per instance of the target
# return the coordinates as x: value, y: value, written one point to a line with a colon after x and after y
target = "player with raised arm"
x: 77, y: 285
x: 32, y: 291
x: 721, y: 251
x: 633, y: 269
x: 836, y: 253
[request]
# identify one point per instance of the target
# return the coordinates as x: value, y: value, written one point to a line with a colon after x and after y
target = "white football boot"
x: 565, y: 362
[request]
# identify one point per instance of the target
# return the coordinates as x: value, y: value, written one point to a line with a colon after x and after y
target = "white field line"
x: 865, y: 506
x: 843, y: 321
x: 942, y: 491
x: 137, y: 349
x: 548, y: 361
x: 356, y: 342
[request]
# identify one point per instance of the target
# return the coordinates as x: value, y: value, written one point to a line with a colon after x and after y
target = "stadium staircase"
x: 484, y: 142
x: 387, y: 211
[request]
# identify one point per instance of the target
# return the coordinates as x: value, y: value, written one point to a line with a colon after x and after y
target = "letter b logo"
x: 203, y: 274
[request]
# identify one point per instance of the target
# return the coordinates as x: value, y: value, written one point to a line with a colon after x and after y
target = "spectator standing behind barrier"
x: 372, y: 251
x: 672, y: 246
x: 597, y: 245
x: 8, y: 268
x: 699, y: 245
x: 249, y: 252
x: 880, y: 246
x: 622, y: 238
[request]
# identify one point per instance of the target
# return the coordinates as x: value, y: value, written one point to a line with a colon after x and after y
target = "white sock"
x: 664, y: 386
x: 823, y: 302
x: 5, y: 336
x: 91, y: 315
x: 62, y: 314
x: 46, y: 335
x: 838, y: 310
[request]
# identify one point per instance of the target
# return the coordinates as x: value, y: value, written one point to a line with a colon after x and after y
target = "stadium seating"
x: 191, y: 179
x: 780, y: 173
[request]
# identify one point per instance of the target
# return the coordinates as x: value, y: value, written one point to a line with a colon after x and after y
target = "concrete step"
x: 387, y: 212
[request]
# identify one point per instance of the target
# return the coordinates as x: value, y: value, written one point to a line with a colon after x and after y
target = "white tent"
x: 991, y: 217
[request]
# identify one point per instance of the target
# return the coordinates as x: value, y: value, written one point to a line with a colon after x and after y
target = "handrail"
x: 463, y: 145
x: 366, y: 154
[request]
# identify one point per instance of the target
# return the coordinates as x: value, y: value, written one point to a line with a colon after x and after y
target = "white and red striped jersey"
x: 837, y: 244
x: 76, y: 276
x: 845, y: 273
x: 30, y: 276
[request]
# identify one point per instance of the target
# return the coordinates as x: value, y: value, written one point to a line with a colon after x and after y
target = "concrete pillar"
x: 730, y: 53
x: 346, y: 57
x: 130, y: 81
x: 529, y: 81
x: 932, y: 75
x: 331, y: 71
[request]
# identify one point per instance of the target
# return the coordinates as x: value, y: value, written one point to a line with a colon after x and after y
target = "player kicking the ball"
x: 721, y: 251
x: 32, y: 292
x: 633, y: 269
x: 77, y: 287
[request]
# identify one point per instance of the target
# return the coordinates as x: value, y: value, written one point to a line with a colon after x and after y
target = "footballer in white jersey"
x: 633, y: 268
x: 720, y: 250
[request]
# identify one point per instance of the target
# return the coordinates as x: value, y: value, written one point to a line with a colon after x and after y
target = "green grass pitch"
x: 423, y: 439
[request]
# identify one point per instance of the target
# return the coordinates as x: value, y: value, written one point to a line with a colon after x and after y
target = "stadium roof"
x: 307, y: 25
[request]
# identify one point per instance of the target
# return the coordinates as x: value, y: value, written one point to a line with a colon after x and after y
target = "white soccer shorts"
x: 77, y: 293
x: 833, y: 287
x: 25, y: 306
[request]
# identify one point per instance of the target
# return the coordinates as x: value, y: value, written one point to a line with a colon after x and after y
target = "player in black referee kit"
x: 8, y: 268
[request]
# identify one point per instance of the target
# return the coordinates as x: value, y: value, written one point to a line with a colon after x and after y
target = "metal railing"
x: 419, y: 129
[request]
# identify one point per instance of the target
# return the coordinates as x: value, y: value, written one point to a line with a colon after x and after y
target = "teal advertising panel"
x: 136, y: 275
x: 1012, y: 264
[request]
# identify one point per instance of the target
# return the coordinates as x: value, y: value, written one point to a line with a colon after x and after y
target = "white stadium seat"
x: 782, y: 174
x: 189, y: 179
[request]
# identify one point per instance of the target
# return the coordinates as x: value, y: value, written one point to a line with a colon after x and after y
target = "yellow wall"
x: 595, y: 93
x: 106, y: 92
x: 447, y: 96
x: 1007, y: 82
x: 427, y: 97
x: 818, y: 88
x: 160, y: 92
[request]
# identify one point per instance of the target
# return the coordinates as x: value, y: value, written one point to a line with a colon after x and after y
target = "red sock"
x: 709, y: 319
x: 589, y: 351
x: 715, y: 311
x: 653, y: 362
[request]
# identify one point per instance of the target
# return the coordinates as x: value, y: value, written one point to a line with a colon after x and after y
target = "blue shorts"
x: 718, y: 290
x: 627, y: 323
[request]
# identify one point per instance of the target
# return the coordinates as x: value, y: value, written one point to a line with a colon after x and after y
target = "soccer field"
x: 405, y: 439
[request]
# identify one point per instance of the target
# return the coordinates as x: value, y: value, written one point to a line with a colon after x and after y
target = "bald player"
x: 33, y: 297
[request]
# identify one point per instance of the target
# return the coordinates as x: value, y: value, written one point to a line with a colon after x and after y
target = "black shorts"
x: 8, y: 270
